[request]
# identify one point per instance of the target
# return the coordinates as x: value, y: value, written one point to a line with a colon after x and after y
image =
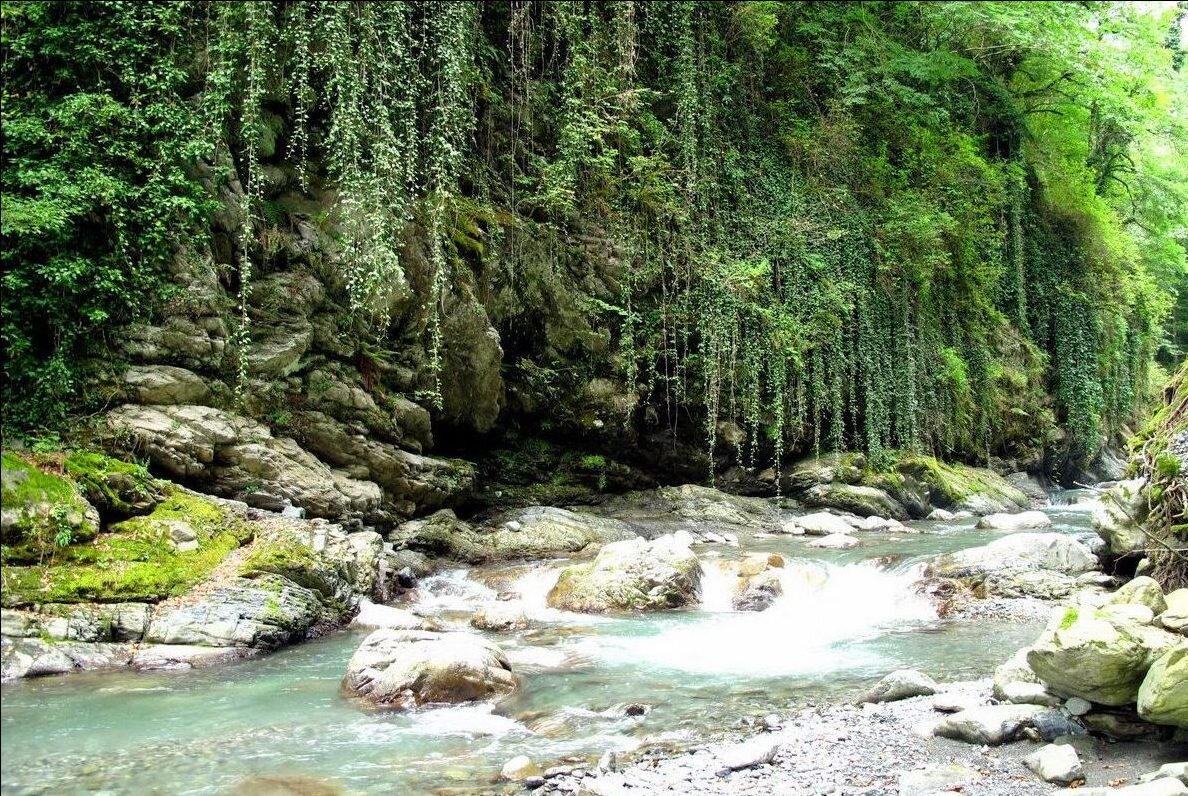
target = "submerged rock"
x: 403, y: 669
x: 631, y: 575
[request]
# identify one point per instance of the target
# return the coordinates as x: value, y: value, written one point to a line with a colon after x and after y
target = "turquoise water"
x: 847, y: 618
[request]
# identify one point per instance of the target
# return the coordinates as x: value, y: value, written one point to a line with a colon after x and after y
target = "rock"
x: 609, y: 761
x: 181, y: 656
x: 631, y: 575
x: 472, y: 364
x: 164, y: 384
x: 372, y: 615
x: 822, y: 523
x: 519, y: 768
x: 1030, y: 694
x: 1015, y: 522
x: 697, y: 504
x: 1119, y: 725
x: 1175, y: 616
x: 1075, y: 706
x: 500, y: 617
x: 991, y: 725
x: 1141, y: 591
x: 941, y: 515
x: 901, y: 684
x: 267, y: 611
x: 278, y: 352
x: 1082, y: 653
x: 865, y: 501
x: 286, y: 785
x: 1030, y: 486
x: 835, y: 541
x: 403, y: 669
x: 760, y: 582
x: 1159, y: 787
x: 40, y: 511
x: 955, y: 703
x: 116, y: 488
x: 1127, y: 612
x: 1019, y: 552
x: 1163, y: 695
x: 1056, y: 763
x: 233, y: 456
x: 874, y: 523
x: 85, y: 622
x: 755, y: 752
x: 937, y: 779
x: 1119, y: 515
x: 294, y: 293
x: 1041, y: 584
x: 192, y: 343
x: 37, y: 657
x: 1167, y: 771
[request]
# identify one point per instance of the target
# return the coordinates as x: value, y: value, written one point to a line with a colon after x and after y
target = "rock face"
x: 1083, y: 654
x: 1015, y: 522
x: 1119, y: 516
x: 697, y: 504
x: 164, y: 384
x: 631, y: 575
x: 403, y: 669
x: 1163, y: 695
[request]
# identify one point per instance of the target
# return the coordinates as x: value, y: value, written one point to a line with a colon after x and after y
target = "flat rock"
x: 835, y: 541
x: 822, y: 523
x: 1024, y: 520
x: 937, y: 779
x: 1056, y: 763
x: 991, y: 725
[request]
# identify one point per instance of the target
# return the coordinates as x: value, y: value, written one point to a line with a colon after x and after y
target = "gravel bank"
x: 871, y: 750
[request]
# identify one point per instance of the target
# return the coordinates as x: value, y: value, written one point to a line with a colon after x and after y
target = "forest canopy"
x: 952, y: 227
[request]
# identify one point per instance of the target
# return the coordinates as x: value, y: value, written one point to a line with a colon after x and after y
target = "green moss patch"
x: 50, y: 512
x: 285, y: 555
x: 135, y: 560
x: 115, y: 487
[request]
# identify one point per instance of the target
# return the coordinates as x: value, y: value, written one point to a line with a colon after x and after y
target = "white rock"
x: 1056, y: 763
x: 835, y: 541
x: 901, y: 684
x: 1168, y: 770
x: 755, y: 752
x: 941, y: 515
x: 1029, y: 694
x: 1075, y: 706
x: 1015, y: 522
x: 518, y: 768
x: 374, y: 615
x: 822, y: 523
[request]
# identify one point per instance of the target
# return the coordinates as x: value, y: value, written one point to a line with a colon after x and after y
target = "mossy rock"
x: 136, y: 560
x: 42, y: 511
x: 957, y: 486
x: 285, y: 555
x: 116, y: 488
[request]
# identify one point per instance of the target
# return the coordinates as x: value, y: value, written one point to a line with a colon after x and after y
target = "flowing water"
x: 845, y: 619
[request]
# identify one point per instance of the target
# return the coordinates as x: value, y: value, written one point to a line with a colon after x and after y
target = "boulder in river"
x: 760, y: 582
x: 1055, y: 552
x: 836, y: 541
x: 403, y: 669
x: 1024, y: 520
x: 820, y: 523
x: 631, y: 575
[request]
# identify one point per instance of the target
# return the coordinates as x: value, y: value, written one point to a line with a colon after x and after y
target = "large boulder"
x: 164, y: 384
x: 699, y: 504
x: 1084, y: 654
x: 37, y: 657
x: 631, y: 575
x: 1119, y: 515
x: 1021, y: 552
x: 819, y: 523
x: 1141, y: 591
x: 40, y: 511
x: 404, y: 669
x: 1163, y: 695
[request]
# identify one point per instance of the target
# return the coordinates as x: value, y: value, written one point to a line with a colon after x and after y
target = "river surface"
x: 846, y: 619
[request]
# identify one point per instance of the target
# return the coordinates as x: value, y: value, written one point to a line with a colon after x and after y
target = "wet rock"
x: 631, y: 575
x: 901, y: 684
x: 287, y: 785
x: 500, y: 617
x: 991, y: 725
x: 372, y: 615
x: 821, y: 523
x: 1019, y: 552
x: 519, y: 768
x: 1030, y: 486
x: 941, y: 515
x: 403, y: 669
x: 835, y: 541
x: 1141, y: 591
x: 759, y: 582
x: 1015, y: 522
x: 37, y: 657
x: 1056, y: 763
x: 152, y: 657
x: 1163, y: 695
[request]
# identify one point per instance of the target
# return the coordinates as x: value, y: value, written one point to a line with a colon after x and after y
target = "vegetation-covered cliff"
x: 763, y: 228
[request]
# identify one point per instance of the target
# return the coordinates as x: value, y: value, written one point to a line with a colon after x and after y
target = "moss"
x: 289, y: 557
x: 135, y: 560
x: 114, y: 486
x: 50, y: 511
x: 26, y: 483
x: 955, y: 482
x: 1069, y: 619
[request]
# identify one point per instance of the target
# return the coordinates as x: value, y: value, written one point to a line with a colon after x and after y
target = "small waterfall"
x: 824, y: 609
x: 453, y: 590
x: 718, y: 581
x: 534, y: 587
